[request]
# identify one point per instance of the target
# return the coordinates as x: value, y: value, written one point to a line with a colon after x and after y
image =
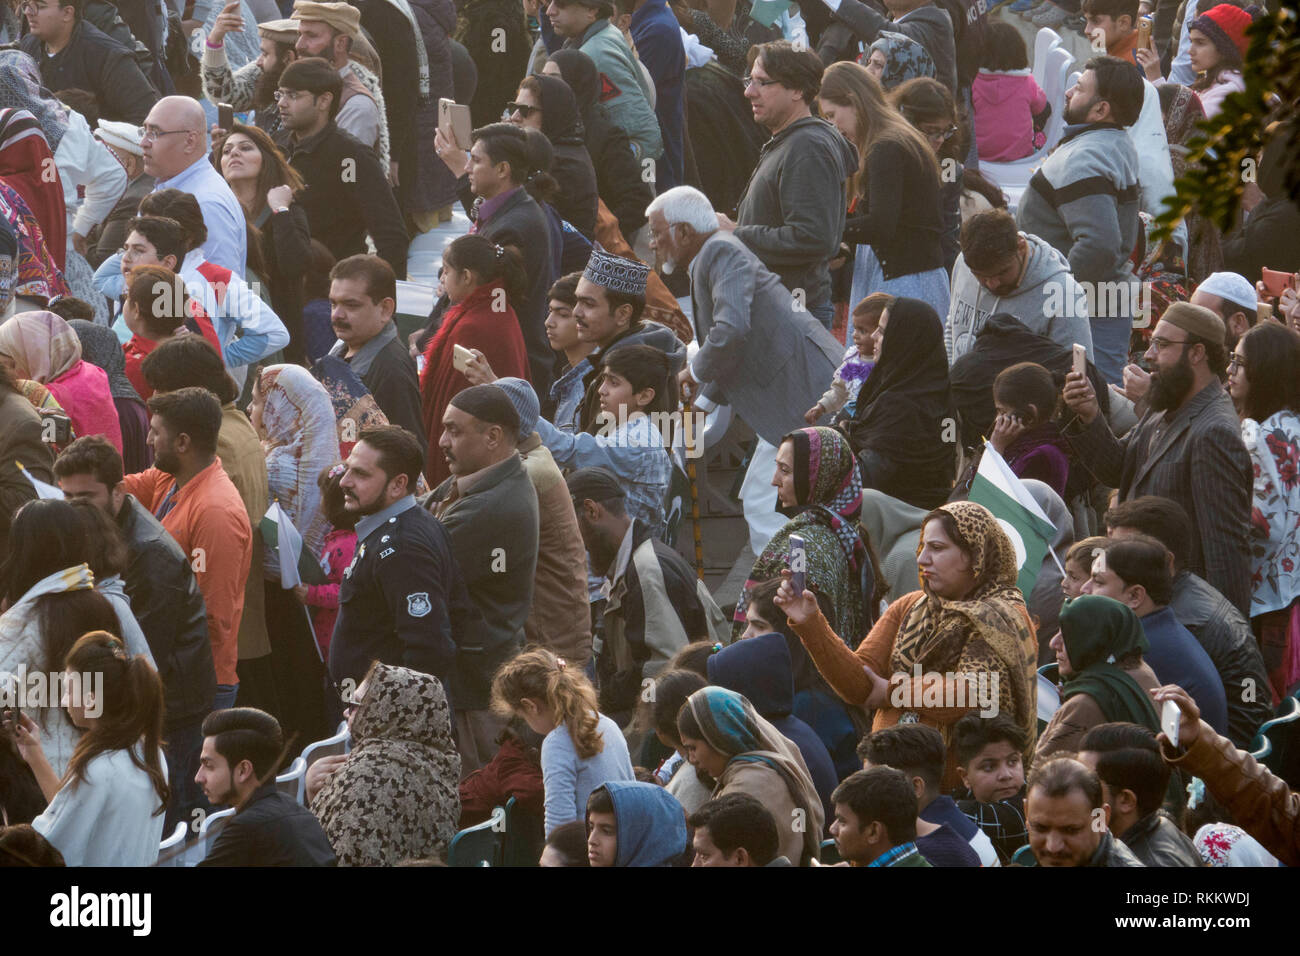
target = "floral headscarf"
x: 905, y: 59
x: 397, y: 796
x: 41, y: 345
x: 827, y: 478
x: 301, y: 441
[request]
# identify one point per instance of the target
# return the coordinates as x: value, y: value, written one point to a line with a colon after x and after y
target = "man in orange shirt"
x: 190, y: 493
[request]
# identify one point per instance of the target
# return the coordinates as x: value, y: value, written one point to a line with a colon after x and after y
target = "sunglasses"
x: 522, y: 109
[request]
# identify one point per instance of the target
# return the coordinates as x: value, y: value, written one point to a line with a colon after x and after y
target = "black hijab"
x: 581, y: 76
x: 560, y: 120
x: 905, y: 399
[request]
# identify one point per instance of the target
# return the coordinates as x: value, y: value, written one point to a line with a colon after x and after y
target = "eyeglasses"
x: 154, y: 133
x: 749, y: 80
x: 33, y: 7
x: 279, y: 95
x: 523, y: 109
x: 1236, y: 360
x: 1160, y: 344
x: 940, y: 134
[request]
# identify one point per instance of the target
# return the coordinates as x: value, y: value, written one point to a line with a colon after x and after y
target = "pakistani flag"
x: 997, y: 488
x: 43, y: 489
x: 295, y: 567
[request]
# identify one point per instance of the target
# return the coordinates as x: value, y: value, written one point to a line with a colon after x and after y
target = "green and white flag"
x: 997, y: 488
x: 296, y: 567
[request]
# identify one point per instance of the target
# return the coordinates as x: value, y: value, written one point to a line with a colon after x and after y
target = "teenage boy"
x: 1112, y: 27
x: 735, y: 830
x: 635, y: 824
x: 1134, y: 779
x: 944, y: 835
x: 572, y: 364
x: 991, y: 763
x: 875, y: 819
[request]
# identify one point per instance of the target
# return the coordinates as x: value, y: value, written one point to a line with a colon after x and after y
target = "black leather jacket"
x: 1111, y: 852
x: 1157, y: 841
x: 169, y: 607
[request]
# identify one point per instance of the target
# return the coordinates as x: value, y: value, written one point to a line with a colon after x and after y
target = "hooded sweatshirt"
x: 1005, y: 104
x: 792, y: 211
x: 1047, y: 301
x: 759, y: 668
x: 651, y: 824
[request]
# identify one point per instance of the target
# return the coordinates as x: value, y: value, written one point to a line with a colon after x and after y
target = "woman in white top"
x: 107, y: 810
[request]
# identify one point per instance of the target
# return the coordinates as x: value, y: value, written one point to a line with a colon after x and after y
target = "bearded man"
x: 1187, y: 447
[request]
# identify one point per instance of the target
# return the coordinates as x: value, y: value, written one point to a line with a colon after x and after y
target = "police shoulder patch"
x: 417, y: 604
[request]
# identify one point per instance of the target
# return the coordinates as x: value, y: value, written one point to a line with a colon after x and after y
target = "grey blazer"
x: 768, y: 361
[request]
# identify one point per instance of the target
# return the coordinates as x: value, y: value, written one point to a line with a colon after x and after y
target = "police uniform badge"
x: 417, y: 605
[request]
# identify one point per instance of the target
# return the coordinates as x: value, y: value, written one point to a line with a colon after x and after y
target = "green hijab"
x: 1098, y: 632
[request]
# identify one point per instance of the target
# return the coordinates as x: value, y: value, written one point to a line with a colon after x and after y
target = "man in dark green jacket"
x: 489, y: 509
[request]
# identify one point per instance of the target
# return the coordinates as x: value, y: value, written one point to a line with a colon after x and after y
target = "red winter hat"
x: 1225, y: 26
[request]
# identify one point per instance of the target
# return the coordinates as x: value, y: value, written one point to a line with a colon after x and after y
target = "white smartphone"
x: 461, y: 357
x: 1170, y: 715
x: 798, y: 564
x: 1080, y: 359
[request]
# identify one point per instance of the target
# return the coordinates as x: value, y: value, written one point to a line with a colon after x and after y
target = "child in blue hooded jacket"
x: 635, y: 824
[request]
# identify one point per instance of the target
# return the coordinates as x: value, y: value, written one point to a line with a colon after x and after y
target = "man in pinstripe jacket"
x: 1187, y: 447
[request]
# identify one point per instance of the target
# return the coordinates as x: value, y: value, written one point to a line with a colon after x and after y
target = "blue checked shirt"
x: 894, y: 856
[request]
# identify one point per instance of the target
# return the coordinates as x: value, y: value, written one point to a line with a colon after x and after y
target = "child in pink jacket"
x: 336, y: 554
x: 1010, y: 107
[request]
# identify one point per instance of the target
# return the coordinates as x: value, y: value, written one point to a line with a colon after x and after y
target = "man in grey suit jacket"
x: 758, y: 353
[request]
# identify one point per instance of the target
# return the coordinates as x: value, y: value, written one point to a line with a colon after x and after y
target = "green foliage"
x: 1222, y: 156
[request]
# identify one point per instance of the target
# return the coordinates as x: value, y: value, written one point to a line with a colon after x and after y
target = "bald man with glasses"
x: 73, y: 53
x: 175, y: 147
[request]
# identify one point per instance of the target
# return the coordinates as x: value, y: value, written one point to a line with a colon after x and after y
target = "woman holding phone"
x: 107, y: 807
x: 967, y: 627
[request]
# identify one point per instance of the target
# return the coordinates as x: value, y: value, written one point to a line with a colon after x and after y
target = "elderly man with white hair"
x: 760, y: 351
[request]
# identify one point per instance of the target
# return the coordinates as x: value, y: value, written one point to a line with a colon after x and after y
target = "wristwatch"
x: 280, y: 209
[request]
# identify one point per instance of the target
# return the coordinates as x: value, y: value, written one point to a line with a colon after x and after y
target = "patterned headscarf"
x: 38, y: 275
x: 301, y: 442
x: 827, y: 478
x: 397, y: 796
x: 1222, y: 844
x: 987, y: 630
x: 21, y: 89
x: 733, y: 728
x: 905, y: 59
x: 355, y: 409
x: 41, y: 345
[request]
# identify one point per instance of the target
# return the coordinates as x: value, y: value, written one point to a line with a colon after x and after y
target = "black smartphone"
x: 225, y: 116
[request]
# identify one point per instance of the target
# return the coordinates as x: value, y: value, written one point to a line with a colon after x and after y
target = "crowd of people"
x: 247, y: 504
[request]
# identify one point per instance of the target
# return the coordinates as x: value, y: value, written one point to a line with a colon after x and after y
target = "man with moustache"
x: 363, y: 297
x: 1187, y: 447
x: 403, y: 599
x: 1069, y: 823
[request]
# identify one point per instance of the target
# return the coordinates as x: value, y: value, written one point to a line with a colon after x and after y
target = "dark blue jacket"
x: 759, y: 669
x: 658, y: 40
x: 1178, y: 658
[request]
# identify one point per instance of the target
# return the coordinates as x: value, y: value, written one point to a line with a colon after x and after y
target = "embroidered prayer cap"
x: 619, y: 275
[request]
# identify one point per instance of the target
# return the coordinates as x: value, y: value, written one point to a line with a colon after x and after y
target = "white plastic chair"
x: 1046, y: 40
x: 172, y: 843
x: 199, y: 849
x: 1013, y: 177
x: 340, y: 743
x: 291, y: 781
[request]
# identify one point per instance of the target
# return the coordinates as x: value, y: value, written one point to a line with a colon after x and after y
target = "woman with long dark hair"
x: 1264, y: 381
x: 106, y: 808
x: 894, y: 226
x: 279, y: 249
x: 484, y: 283
x: 50, y: 600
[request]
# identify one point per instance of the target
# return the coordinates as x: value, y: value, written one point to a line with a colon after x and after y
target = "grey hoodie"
x: 1047, y: 290
x: 792, y: 212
